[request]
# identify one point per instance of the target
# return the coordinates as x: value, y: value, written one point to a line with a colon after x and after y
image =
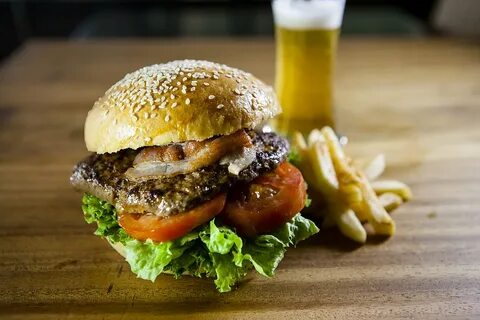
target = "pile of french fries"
x: 352, y: 198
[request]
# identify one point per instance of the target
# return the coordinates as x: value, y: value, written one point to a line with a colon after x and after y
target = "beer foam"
x: 313, y: 14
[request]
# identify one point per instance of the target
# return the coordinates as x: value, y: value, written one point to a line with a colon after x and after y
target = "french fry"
x: 349, y: 181
x: 314, y: 136
x: 392, y: 186
x: 390, y: 201
x: 352, y: 193
x: 347, y: 222
x: 324, y: 181
x: 350, y: 226
x: 346, y: 174
x: 375, y: 168
x: 369, y: 208
x: 298, y: 141
x: 350, y: 198
x: 325, y: 175
x: 384, y: 228
x: 300, y: 145
x: 334, y: 145
x: 323, y: 168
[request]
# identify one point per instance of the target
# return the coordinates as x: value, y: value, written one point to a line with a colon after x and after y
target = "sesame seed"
x: 187, y: 101
x: 148, y: 139
x: 220, y: 106
x: 134, y: 117
x: 172, y: 96
x: 153, y: 85
x: 146, y: 115
x: 163, y: 105
x: 211, y: 97
x: 174, y: 105
x: 237, y: 91
x: 167, y: 118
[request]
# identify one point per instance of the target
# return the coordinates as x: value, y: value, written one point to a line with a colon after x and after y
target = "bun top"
x: 175, y: 102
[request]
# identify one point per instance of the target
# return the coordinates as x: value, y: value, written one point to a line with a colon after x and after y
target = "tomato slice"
x: 143, y: 227
x: 266, y: 203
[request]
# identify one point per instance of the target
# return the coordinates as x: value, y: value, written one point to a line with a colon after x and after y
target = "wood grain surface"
x: 416, y: 100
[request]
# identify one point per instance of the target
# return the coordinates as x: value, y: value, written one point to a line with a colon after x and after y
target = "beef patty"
x: 102, y: 175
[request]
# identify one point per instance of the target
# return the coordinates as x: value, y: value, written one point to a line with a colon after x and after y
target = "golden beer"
x: 305, y: 62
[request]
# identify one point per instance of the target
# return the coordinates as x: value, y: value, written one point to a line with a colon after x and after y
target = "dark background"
x: 21, y: 20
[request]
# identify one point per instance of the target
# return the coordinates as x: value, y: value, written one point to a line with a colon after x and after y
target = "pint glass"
x: 306, y: 35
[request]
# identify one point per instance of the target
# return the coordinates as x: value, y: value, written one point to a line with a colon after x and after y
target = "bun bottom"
x: 120, y: 248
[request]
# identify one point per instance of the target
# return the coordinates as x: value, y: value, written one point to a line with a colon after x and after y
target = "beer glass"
x: 306, y: 35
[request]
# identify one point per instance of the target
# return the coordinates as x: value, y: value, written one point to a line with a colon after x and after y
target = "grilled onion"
x: 239, y: 161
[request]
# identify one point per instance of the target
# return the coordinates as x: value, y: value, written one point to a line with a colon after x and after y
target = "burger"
x: 182, y: 179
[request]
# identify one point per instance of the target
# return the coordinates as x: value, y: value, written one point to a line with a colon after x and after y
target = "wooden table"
x: 416, y: 100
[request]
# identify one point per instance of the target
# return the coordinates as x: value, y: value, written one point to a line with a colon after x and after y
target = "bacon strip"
x: 169, y: 153
x: 186, y: 157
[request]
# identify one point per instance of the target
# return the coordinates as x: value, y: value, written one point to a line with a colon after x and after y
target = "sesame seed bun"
x: 175, y: 102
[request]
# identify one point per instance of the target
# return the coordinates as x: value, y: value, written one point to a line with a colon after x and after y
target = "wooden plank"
x: 418, y: 101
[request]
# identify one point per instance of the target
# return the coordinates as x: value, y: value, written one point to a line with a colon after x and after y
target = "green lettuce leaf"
x: 212, y: 250
x: 104, y: 214
x: 294, y: 156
